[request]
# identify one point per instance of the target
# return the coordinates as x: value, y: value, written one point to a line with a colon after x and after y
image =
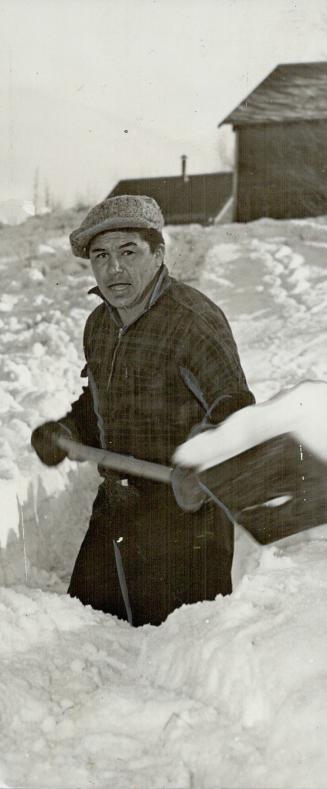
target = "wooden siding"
x: 282, y: 170
x: 198, y: 198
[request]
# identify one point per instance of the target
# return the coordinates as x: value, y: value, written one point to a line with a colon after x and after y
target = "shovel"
x: 273, y: 490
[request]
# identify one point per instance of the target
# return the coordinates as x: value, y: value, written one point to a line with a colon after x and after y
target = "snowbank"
x: 229, y: 693
x: 43, y: 308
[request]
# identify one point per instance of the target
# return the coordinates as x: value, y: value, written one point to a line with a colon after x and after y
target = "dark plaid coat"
x: 149, y: 384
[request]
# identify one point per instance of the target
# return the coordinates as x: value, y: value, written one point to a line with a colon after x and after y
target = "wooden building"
x: 183, y: 199
x: 281, y: 145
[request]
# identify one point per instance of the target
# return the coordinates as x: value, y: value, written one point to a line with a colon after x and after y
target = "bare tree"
x: 47, y: 195
x: 36, y: 191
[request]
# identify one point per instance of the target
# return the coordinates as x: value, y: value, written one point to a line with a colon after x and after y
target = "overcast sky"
x: 97, y: 90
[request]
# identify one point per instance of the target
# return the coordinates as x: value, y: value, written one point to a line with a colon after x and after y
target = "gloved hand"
x: 43, y: 440
x: 186, y: 488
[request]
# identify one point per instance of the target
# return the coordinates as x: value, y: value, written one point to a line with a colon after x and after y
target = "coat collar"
x: 161, y: 284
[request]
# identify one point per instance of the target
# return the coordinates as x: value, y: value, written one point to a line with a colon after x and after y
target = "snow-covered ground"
x: 230, y: 693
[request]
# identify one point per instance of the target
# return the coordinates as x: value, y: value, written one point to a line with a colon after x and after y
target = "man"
x: 160, y: 359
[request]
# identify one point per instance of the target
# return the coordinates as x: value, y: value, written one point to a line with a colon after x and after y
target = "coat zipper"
x: 122, y: 329
x: 120, y: 334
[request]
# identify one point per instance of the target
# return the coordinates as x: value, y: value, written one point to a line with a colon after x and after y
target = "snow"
x: 226, y: 693
x: 15, y: 211
x: 239, y: 658
x: 230, y: 693
x: 45, y: 249
x: 300, y: 411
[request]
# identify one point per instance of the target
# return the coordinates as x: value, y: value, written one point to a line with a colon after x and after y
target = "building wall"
x: 197, y: 199
x: 282, y: 170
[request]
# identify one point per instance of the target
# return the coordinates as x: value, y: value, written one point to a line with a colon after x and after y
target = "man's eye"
x: 128, y: 252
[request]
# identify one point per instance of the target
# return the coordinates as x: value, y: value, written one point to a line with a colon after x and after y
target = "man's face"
x: 123, y: 265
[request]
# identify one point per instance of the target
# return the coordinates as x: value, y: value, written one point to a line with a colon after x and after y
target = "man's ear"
x: 160, y: 254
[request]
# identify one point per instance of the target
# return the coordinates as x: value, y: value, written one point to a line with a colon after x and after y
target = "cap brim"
x: 80, y: 239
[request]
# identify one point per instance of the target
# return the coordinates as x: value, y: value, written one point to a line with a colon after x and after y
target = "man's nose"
x: 115, y: 264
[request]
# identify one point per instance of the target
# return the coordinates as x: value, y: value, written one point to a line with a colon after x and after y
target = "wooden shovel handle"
x: 125, y: 464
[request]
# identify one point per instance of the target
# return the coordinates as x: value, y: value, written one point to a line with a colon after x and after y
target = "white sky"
x: 92, y: 91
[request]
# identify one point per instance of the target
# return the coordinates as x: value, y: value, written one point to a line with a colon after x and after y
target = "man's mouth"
x: 118, y: 287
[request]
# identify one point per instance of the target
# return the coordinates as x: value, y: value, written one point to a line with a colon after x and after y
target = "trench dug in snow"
x: 230, y: 693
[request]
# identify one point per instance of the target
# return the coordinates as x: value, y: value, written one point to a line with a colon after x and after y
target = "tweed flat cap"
x: 115, y: 213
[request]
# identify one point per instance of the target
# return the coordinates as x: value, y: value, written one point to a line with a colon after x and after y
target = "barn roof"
x: 291, y: 92
x: 196, y: 198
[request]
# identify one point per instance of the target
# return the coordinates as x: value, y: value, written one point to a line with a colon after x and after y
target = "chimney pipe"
x: 184, y: 159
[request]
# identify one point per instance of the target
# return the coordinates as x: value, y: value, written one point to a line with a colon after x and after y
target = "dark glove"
x: 186, y: 488
x: 43, y: 440
x: 185, y: 484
